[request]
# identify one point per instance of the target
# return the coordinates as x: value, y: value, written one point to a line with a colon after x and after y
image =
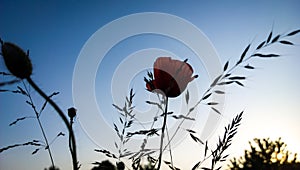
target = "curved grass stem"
x: 41, y: 126
x: 65, y: 120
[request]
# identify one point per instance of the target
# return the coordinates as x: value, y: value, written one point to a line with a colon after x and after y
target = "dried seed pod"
x: 16, y: 60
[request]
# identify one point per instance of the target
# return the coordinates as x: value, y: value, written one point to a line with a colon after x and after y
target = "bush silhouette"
x: 52, y: 168
x: 107, y: 165
x: 266, y: 155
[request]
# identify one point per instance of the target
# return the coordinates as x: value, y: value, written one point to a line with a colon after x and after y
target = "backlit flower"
x: 171, y: 77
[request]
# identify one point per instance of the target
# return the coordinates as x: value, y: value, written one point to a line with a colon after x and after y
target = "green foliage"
x: 266, y: 154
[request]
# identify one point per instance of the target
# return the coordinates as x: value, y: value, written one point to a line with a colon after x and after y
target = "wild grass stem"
x: 65, y: 120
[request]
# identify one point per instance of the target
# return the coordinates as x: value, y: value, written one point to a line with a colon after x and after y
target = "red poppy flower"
x: 170, y: 76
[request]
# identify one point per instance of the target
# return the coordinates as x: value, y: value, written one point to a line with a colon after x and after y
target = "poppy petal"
x: 171, y: 76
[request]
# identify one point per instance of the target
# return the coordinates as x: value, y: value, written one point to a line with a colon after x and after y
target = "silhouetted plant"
x: 170, y: 79
x: 167, y: 81
x: 19, y: 65
x: 223, y: 144
x: 37, y: 114
x: 226, y: 78
x: 52, y: 168
x: 148, y: 165
x: 104, y: 165
x: 266, y: 154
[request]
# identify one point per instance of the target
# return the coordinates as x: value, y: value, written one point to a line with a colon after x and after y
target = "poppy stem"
x: 71, y: 145
x: 64, y: 118
x: 163, y: 134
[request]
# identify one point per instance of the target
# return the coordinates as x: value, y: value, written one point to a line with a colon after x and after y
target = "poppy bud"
x: 16, y: 60
x: 72, y: 112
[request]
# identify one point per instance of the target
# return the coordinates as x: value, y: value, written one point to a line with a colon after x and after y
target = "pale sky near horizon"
x: 55, y: 32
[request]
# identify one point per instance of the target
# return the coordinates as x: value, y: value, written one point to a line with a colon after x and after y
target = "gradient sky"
x: 55, y: 33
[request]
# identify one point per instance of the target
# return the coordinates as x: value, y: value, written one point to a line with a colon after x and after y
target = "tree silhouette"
x: 266, y: 155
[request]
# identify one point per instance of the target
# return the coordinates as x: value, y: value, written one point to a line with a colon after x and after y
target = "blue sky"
x: 55, y: 32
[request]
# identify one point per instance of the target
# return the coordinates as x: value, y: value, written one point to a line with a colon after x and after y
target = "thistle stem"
x: 63, y: 117
x: 163, y: 134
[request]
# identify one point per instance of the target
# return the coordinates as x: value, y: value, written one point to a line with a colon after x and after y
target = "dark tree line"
x: 265, y: 154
